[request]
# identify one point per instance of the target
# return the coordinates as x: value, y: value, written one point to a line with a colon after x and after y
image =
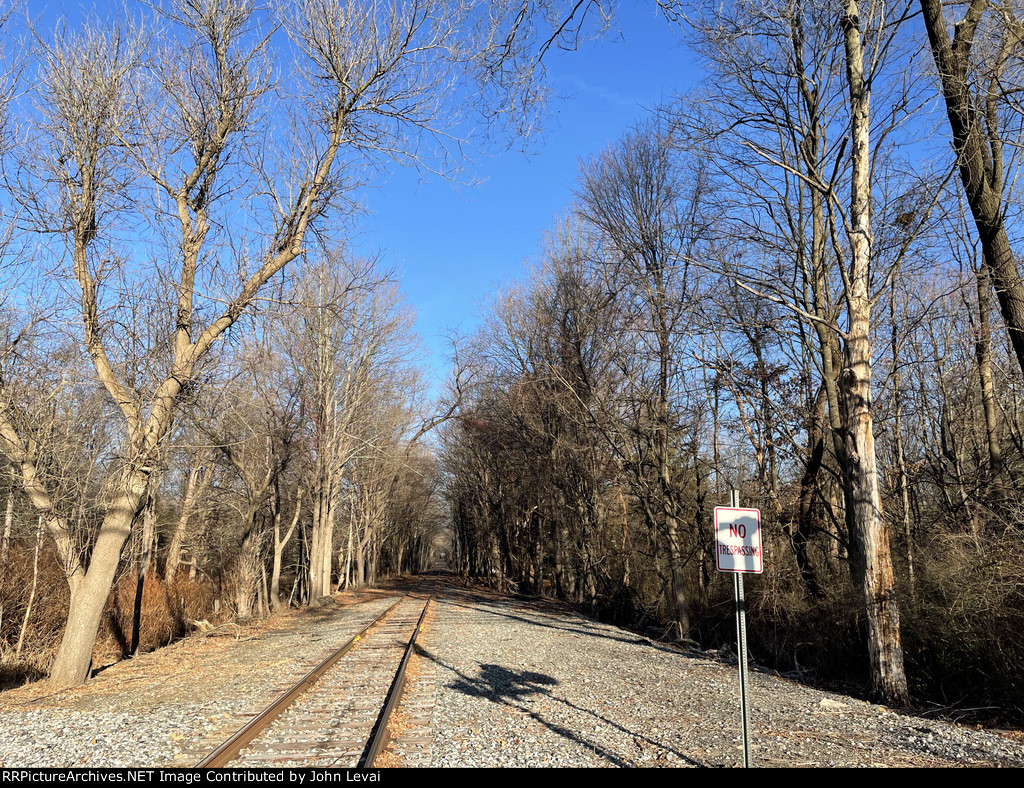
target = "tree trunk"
x: 321, y: 543
x: 247, y: 573
x: 346, y: 576
x: 360, y: 580
x: 193, y: 492
x: 539, y: 558
x: 561, y: 581
x: 680, y: 608
x: 148, y: 539
x: 978, y: 147
x: 90, y: 589
x: 901, y: 473
x: 316, y: 544
x: 874, y: 560
x: 32, y: 592
x: 983, y: 355
x: 871, y: 533
x: 279, y: 546
x: 264, y: 605
x: 327, y: 554
x: 703, y: 529
x: 803, y: 527
x: 5, y: 544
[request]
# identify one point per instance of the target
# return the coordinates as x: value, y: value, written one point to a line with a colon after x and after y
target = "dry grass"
x: 167, y: 612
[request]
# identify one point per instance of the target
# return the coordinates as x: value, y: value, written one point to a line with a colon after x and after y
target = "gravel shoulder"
x: 500, y: 682
x: 171, y: 706
x: 521, y: 686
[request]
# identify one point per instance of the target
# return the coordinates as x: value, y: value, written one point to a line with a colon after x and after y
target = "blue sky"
x: 453, y: 246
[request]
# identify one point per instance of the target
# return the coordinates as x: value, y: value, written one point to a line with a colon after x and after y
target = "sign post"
x: 738, y: 549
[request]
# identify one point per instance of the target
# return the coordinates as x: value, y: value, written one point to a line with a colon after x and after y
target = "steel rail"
x: 226, y: 752
x: 379, y: 735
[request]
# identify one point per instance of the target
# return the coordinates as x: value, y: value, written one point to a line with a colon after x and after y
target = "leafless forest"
x: 800, y: 281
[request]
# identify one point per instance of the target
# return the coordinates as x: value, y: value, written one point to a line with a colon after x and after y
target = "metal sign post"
x: 738, y: 549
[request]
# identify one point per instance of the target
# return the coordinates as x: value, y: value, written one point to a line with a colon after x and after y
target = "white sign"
x: 738, y: 540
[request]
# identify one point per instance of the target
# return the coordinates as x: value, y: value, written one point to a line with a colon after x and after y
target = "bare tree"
x: 175, y: 132
x: 351, y: 353
x: 200, y: 476
x: 514, y: 38
x: 280, y: 543
x: 253, y: 424
x: 878, y: 584
x: 780, y: 98
x: 636, y: 197
x: 979, y: 68
x: 330, y: 350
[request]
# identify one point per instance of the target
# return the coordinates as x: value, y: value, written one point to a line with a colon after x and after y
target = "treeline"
x: 294, y: 470
x: 175, y: 415
x: 784, y: 284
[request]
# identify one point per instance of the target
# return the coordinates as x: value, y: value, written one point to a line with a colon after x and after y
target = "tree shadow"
x: 17, y: 674
x: 512, y: 688
x: 496, y: 683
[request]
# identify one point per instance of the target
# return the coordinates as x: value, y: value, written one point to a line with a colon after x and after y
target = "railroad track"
x: 337, y: 714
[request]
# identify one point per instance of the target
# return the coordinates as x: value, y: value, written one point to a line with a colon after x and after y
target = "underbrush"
x: 166, y: 613
x: 963, y: 630
x: 16, y: 671
x: 818, y: 641
x: 39, y: 633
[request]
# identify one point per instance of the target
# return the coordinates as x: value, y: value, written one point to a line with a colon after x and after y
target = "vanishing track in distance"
x: 337, y: 714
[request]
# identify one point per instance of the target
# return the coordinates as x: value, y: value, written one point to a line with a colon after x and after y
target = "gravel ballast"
x: 501, y: 682
x: 521, y: 687
x: 172, y: 706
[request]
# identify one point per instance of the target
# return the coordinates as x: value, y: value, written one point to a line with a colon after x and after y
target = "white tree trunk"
x: 871, y: 532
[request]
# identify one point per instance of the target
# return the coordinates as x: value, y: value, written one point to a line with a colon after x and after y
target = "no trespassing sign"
x: 738, y: 545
